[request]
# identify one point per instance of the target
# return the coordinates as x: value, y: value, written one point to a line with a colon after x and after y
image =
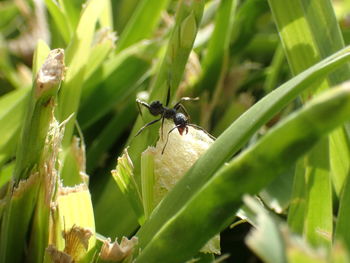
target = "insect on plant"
x: 180, y: 119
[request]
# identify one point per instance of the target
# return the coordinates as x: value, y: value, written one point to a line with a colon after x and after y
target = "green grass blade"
x: 318, y: 217
x: 247, y: 20
x: 265, y: 239
x: 60, y: 19
x: 216, y: 59
x: 147, y: 182
x: 148, y: 14
x: 114, y: 81
x: 12, y: 111
x: 15, y: 220
x: 124, y: 177
x: 100, y: 51
x: 342, y: 224
x: 212, y: 207
x: 106, y: 18
x: 8, y: 11
x: 12, y: 107
x: 237, y: 135
x: 40, y: 54
x: 104, y: 141
x: 278, y: 194
x: 39, y: 114
x: 76, y: 59
x: 71, y: 9
x: 320, y: 14
x: 123, y: 12
x: 274, y: 69
x: 293, y: 33
x: 296, y: 213
x: 107, y: 195
x: 5, y: 175
x: 339, y: 153
x: 21, y: 192
x: 299, y: 25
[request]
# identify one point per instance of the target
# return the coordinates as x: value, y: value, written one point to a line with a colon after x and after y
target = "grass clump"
x: 271, y: 78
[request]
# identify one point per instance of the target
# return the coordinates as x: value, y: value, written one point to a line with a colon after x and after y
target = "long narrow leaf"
x: 147, y: 14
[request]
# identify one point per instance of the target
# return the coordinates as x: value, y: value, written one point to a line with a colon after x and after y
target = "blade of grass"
x: 8, y: 11
x: 278, y: 194
x: 318, y: 217
x: 339, y: 153
x: 69, y: 96
x: 11, y: 116
x: 99, y: 52
x: 342, y: 224
x: 29, y: 157
x: 5, y: 174
x: 71, y: 203
x: 320, y: 14
x: 304, y: 44
x: 295, y: 21
x: 109, y: 135
x: 123, y: 11
x: 71, y: 9
x: 124, y: 177
x: 234, y: 137
x: 115, y: 81
x: 212, y: 207
x: 106, y: 18
x: 265, y: 239
x: 107, y: 195
x: 76, y: 59
x: 60, y: 20
x: 148, y: 14
x: 48, y: 182
x: 215, y: 62
x: 12, y: 108
x: 274, y: 69
x: 245, y: 24
x: 147, y: 182
x: 297, y: 209
x: 16, y: 218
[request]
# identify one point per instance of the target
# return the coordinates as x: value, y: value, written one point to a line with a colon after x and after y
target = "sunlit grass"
x: 263, y: 71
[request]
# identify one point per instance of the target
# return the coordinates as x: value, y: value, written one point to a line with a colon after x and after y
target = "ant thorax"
x: 169, y: 113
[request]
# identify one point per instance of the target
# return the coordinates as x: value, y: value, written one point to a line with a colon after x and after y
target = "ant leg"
x: 145, y: 126
x: 182, y: 107
x: 200, y: 128
x: 162, y: 126
x: 168, y: 95
x: 185, y: 99
x: 140, y: 102
x: 167, y: 138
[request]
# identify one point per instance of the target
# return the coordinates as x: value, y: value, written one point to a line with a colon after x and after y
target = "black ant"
x: 181, y: 120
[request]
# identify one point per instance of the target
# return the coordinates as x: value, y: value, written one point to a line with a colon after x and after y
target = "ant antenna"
x: 168, y: 96
x: 145, y: 126
x: 140, y: 102
x: 167, y: 138
x: 200, y: 128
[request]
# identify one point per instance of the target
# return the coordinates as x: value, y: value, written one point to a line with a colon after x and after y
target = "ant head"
x: 181, y: 121
x: 156, y: 108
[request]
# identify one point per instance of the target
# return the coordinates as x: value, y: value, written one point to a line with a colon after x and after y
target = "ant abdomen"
x: 156, y: 108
